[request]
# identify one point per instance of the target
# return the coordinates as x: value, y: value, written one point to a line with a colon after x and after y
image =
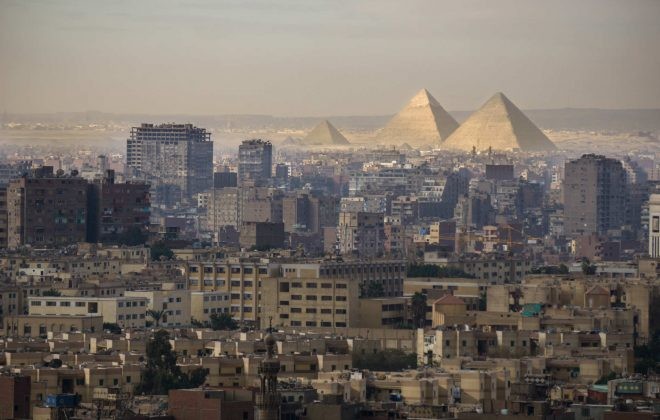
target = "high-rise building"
x: 654, y: 226
x: 255, y: 158
x: 361, y: 234
x: 593, y: 194
x: 3, y: 216
x: 175, y: 159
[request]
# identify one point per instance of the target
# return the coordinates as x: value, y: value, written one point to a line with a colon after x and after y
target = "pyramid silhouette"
x: 422, y: 121
x: 324, y: 134
x: 501, y: 125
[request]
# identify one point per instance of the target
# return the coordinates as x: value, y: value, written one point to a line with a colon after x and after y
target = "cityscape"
x: 401, y: 244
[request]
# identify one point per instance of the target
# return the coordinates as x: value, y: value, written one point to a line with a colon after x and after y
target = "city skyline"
x: 325, y: 58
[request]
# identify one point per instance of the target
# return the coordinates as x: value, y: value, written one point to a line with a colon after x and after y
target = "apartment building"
x: 205, y: 304
x: 255, y: 160
x: 496, y: 269
x: 3, y: 216
x: 361, y: 234
x: 238, y: 277
x: 335, y: 294
x: 175, y: 305
x: 124, y: 311
x: 118, y: 209
x: 594, y: 194
x: 46, y: 210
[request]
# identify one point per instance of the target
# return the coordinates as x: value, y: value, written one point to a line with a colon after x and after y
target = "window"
x: 340, y: 311
x: 248, y: 270
x: 311, y: 285
x: 65, y: 303
x: 310, y: 324
x: 326, y: 311
x: 311, y: 297
x: 296, y: 297
x: 326, y: 298
x: 340, y: 298
x: 35, y: 303
x: 51, y: 303
x: 340, y: 285
x: 296, y: 310
x: 310, y: 310
x: 326, y: 285
x: 296, y: 284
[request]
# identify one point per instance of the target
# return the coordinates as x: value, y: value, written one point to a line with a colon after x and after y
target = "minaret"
x: 268, y: 400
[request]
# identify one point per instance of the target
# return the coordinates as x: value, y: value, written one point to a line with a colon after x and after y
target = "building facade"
x: 255, y: 159
x: 654, y: 226
x: 594, y: 192
x: 361, y: 234
x: 46, y: 210
x: 175, y: 159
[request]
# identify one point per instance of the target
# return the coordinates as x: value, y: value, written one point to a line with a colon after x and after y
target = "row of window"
x: 54, y: 303
x: 214, y: 298
x: 316, y: 324
x: 325, y: 298
x: 314, y: 310
x: 135, y: 303
x: 233, y: 270
x: 134, y: 316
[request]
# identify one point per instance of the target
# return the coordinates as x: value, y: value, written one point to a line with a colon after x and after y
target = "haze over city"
x: 321, y: 58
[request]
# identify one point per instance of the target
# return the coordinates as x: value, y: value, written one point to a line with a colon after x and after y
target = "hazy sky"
x: 335, y: 57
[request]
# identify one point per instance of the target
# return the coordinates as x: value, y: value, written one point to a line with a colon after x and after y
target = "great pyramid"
x: 501, y: 125
x: 422, y: 122
x: 324, y: 134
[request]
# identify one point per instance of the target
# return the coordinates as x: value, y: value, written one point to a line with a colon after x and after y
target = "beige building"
x: 41, y: 325
x: 238, y: 277
x: 335, y: 294
x: 124, y: 311
x: 205, y: 304
x: 175, y: 305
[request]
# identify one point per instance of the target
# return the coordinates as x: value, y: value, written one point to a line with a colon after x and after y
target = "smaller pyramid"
x: 499, y: 125
x: 324, y: 134
x: 422, y: 121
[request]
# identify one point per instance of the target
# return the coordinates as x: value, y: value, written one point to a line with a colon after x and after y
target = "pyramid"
x: 422, y: 121
x: 324, y: 134
x: 501, y: 125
